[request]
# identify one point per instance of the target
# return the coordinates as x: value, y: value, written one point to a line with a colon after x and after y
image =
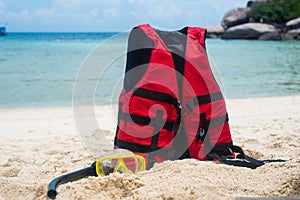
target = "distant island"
x: 262, y: 20
x: 2, y: 31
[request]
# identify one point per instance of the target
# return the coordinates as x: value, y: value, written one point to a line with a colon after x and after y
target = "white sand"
x: 39, y: 144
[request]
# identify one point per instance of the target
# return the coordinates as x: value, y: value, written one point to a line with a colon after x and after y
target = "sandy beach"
x: 39, y: 144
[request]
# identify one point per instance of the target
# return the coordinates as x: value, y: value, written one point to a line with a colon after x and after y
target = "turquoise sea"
x: 39, y: 69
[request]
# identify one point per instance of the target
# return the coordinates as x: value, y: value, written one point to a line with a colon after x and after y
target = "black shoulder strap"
x: 138, y: 57
x: 241, y: 159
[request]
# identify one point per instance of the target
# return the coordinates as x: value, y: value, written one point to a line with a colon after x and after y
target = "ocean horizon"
x: 38, y: 69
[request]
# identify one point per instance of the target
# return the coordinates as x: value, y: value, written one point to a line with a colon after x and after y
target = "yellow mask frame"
x: 121, y: 164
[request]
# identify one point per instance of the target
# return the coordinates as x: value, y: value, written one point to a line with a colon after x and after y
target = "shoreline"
x: 100, y: 105
x: 39, y: 144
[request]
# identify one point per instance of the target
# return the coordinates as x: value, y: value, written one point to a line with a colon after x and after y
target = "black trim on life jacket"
x: 203, y: 99
x: 203, y: 135
x: 139, y: 51
x: 209, y: 98
x: 135, y: 146
x: 142, y: 120
x: 158, y: 124
x: 202, y: 131
x: 218, y: 121
x: 119, y: 118
x: 157, y: 96
x: 207, y: 124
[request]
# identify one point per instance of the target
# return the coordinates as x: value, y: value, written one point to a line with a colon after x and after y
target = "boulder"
x: 253, y: 3
x: 271, y: 36
x: 293, y: 24
x: 292, y: 34
x: 235, y: 17
x: 214, y: 31
x: 248, y: 31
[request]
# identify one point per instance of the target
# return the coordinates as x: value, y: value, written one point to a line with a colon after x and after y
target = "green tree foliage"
x: 278, y: 11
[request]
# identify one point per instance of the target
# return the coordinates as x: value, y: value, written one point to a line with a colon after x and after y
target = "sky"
x: 110, y: 15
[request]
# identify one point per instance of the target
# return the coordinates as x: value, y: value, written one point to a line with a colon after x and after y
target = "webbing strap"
x: 209, y: 98
x: 218, y: 121
x: 203, y: 130
x: 241, y: 160
x: 142, y: 120
x: 242, y: 155
x: 157, y: 96
x: 203, y: 99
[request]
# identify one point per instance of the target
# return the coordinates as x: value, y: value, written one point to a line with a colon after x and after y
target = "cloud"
x: 2, y: 5
x: 138, y: 2
x: 161, y: 13
x: 45, y: 13
x: 220, y: 6
x: 174, y: 14
x: 112, y: 15
x: 82, y: 5
x: 111, y: 12
x: 94, y: 12
x: 25, y: 15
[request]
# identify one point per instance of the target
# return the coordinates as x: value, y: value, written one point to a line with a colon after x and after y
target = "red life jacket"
x: 171, y: 106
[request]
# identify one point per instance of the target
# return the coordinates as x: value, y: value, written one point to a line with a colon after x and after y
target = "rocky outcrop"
x: 238, y: 25
x: 271, y: 36
x: 292, y: 34
x: 293, y: 24
x: 248, y: 31
x: 214, y: 31
x: 235, y: 17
